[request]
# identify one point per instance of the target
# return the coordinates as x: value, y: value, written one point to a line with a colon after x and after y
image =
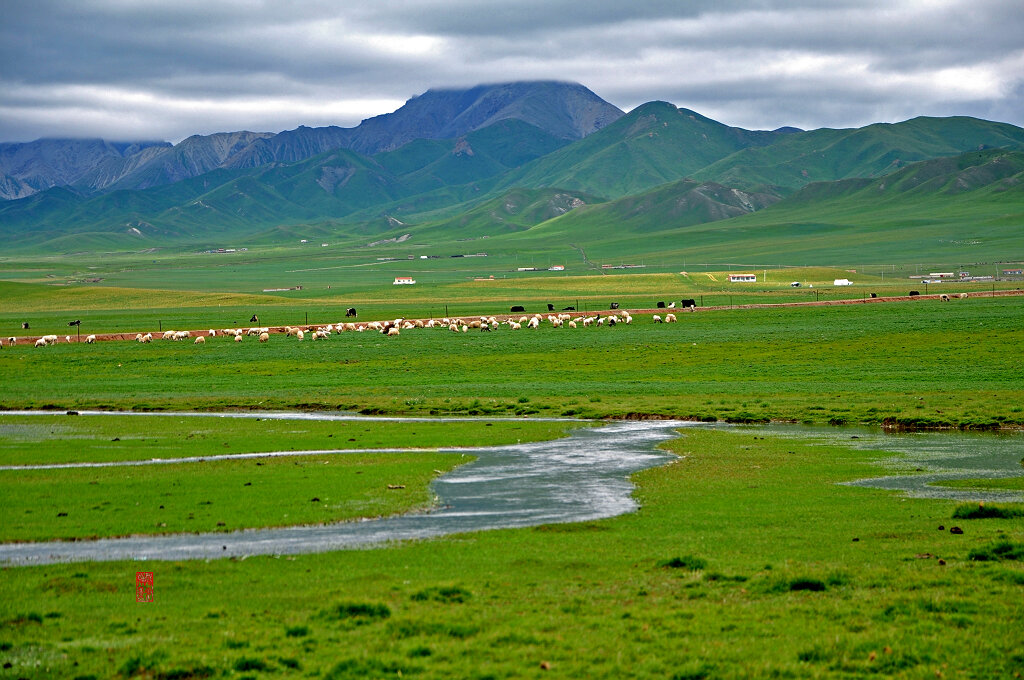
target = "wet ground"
x: 579, y: 478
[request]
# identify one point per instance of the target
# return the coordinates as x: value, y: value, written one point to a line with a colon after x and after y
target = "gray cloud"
x: 165, y: 69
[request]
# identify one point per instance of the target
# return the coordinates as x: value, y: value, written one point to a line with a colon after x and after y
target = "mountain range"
x: 540, y: 157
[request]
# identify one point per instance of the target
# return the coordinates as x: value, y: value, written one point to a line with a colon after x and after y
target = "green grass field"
x: 746, y: 560
x: 924, y: 363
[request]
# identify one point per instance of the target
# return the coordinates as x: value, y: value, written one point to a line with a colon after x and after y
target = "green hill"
x: 825, y: 155
x: 651, y: 145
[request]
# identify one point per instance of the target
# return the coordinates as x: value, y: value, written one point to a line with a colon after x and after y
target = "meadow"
x: 910, y: 364
x: 746, y: 559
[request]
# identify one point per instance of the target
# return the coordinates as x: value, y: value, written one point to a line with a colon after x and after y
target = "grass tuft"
x: 358, y: 613
x: 688, y: 562
x: 448, y: 595
x: 997, y: 552
x: 972, y: 511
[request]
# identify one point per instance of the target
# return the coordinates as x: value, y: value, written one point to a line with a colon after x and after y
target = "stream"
x: 579, y: 478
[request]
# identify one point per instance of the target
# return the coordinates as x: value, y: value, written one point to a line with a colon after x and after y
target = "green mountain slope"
x: 651, y: 145
x: 826, y: 155
x: 968, y: 208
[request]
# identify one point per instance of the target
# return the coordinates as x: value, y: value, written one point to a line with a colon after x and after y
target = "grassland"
x: 746, y: 560
x: 924, y: 363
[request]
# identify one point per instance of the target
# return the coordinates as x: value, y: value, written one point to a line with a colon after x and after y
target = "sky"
x: 165, y: 69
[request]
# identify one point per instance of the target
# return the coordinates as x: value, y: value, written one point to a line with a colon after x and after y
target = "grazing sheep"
x: 514, y: 325
x: 238, y: 338
x: 41, y: 342
x: 572, y: 324
x: 90, y: 339
x: 138, y: 337
x: 944, y: 297
x: 670, y: 318
x: 655, y: 318
x: 200, y: 340
x: 12, y: 340
x: 50, y: 339
x: 169, y: 335
x: 300, y: 335
x: 393, y: 331
x: 264, y: 337
x: 465, y: 328
x: 67, y: 338
x: 671, y: 305
x: 533, y: 323
x: 962, y: 296
x: 453, y: 328
x: 627, y: 319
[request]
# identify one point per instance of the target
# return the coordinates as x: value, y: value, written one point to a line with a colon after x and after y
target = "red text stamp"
x: 143, y: 586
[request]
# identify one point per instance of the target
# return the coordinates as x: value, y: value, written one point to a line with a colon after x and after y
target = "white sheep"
x: 238, y: 338
x: 138, y: 337
x: 572, y: 323
x: 944, y: 297
x: 41, y: 342
x: 670, y: 318
x: 534, y: 322
x: 300, y: 335
x: 12, y: 340
x: 90, y: 339
x: 200, y: 340
x: 50, y: 339
x: 627, y: 319
x: 169, y: 335
x: 393, y: 331
x: 962, y: 296
x: 264, y: 337
x: 655, y: 318
x: 67, y: 338
x: 148, y: 337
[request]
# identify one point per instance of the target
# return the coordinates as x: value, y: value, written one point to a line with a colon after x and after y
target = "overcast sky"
x: 165, y: 69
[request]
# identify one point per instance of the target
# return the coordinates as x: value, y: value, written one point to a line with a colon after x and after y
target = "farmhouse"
x: 404, y: 280
x: 842, y: 282
x: 742, y: 278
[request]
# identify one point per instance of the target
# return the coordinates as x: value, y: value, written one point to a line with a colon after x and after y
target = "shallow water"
x: 918, y: 460
x: 579, y: 478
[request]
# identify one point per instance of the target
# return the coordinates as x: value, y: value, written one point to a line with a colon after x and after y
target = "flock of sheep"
x: 391, y: 327
x: 394, y: 327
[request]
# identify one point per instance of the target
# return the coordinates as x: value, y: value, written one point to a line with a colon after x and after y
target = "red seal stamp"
x: 143, y: 586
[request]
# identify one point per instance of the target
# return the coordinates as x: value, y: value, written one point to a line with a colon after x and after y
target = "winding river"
x: 578, y: 478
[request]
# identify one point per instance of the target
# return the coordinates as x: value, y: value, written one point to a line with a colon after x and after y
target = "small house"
x: 404, y: 281
x: 742, y: 278
x: 842, y: 282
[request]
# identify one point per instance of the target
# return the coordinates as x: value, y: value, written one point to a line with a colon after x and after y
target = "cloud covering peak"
x: 162, y: 69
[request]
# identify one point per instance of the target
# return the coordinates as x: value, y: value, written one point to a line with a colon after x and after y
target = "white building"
x: 404, y: 280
